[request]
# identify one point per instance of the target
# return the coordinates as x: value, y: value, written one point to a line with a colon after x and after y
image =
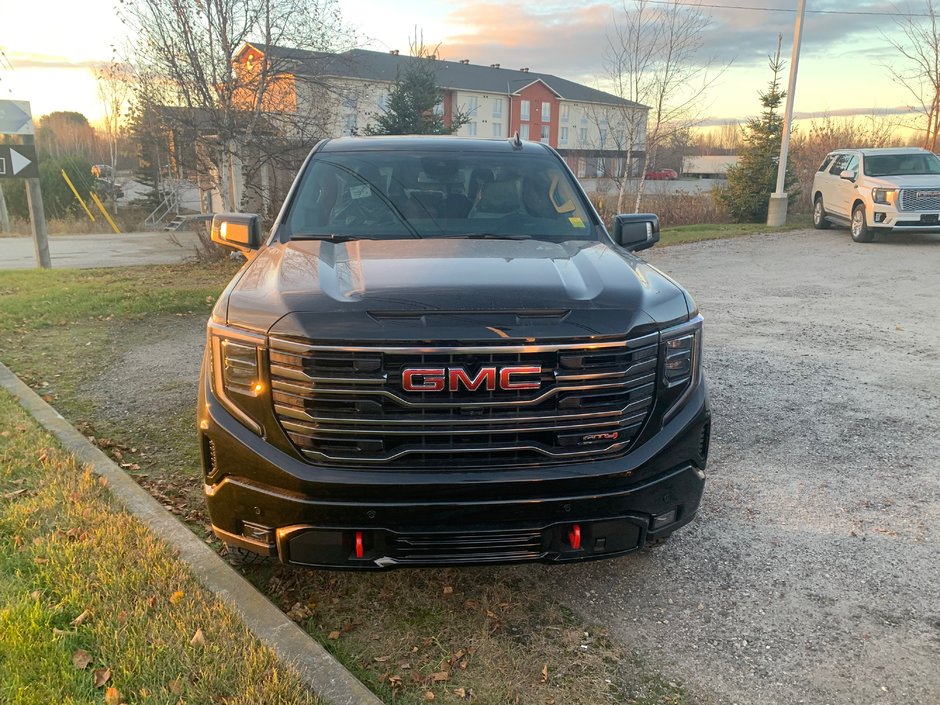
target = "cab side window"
x: 853, y: 165
x: 839, y: 164
x: 826, y: 162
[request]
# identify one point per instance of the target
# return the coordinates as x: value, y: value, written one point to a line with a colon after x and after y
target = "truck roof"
x: 446, y: 143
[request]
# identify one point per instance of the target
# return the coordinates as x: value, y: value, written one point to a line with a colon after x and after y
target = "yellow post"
x: 104, y: 212
x: 69, y: 182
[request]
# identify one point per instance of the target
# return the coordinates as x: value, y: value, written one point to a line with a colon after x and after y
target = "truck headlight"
x: 238, y: 372
x: 884, y: 196
x: 680, y: 355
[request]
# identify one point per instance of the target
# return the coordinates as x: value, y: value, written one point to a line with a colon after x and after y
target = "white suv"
x: 876, y: 191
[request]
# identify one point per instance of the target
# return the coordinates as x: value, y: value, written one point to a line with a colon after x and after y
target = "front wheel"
x: 819, y: 215
x: 860, y: 230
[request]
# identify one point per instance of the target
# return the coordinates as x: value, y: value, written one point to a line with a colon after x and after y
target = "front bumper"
x: 888, y: 219
x: 272, y: 503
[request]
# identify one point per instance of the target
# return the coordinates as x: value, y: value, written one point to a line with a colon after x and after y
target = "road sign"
x: 18, y: 162
x: 15, y: 117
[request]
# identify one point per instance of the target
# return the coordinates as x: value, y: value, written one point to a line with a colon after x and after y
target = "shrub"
x: 57, y: 198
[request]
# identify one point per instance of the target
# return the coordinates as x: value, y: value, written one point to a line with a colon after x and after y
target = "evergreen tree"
x: 754, y: 178
x: 413, y: 103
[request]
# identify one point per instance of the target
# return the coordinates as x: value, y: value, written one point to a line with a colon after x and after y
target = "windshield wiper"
x: 332, y: 237
x: 495, y: 236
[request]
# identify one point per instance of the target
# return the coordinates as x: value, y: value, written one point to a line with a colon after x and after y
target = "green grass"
x: 65, y: 548
x: 683, y: 234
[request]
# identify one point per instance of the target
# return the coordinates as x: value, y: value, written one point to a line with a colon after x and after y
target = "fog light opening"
x: 661, y: 520
x: 258, y: 532
x: 879, y: 217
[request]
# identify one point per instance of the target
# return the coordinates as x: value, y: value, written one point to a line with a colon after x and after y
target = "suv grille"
x: 346, y: 405
x: 919, y: 199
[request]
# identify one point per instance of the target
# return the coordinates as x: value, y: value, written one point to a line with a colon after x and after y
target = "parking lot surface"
x: 813, y: 573
x: 100, y: 250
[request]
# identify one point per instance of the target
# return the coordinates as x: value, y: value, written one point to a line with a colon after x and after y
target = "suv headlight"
x: 680, y: 357
x: 884, y: 196
x: 238, y: 372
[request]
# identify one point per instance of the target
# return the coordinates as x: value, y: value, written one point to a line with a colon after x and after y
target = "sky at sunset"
x: 50, y: 46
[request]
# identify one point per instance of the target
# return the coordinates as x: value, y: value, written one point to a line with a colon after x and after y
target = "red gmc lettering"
x: 505, y: 377
x: 458, y: 375
x: 430, y: 379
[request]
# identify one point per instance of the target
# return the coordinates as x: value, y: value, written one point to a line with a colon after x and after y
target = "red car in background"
x: 661, y: 175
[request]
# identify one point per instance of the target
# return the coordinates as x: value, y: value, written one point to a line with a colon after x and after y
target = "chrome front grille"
x: 346, y: 406
x: 919, y: 199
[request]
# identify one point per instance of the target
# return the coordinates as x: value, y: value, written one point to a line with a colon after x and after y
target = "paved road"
x: 813, y: 573
x: 86, y: 251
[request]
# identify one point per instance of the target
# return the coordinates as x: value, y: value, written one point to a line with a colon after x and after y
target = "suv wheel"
x: 819, y: 215
x: 860, y: 229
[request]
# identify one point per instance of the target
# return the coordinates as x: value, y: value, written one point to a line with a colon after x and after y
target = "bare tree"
x: 918, y: 41
x: 237, y: 117
x: 113, y: 92
x: 652, y: 58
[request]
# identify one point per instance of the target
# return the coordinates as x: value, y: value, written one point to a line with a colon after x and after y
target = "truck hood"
x: 451, y: 289
x: 929, y: 182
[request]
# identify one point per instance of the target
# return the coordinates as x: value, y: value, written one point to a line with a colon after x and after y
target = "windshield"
x: 398, y: 194
x: 901, y: 164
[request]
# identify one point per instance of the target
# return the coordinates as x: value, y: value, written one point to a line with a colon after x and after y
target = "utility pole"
x: 777, y: 208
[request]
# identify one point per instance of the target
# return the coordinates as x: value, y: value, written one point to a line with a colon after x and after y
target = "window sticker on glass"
x: 576, y: 222
x: 362, y: 191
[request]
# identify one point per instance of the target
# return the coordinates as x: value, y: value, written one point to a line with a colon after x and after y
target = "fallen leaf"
x: 112, y: 696
x: 333, y: 635
x: 35, y: 594
x: 544, y: 673
x: 81, y: 659
x: 898, y: 327
x: 491, y: 614
x: 448, y: 590
x: 15, y: 493
x: 175, y: 686
x: 428, y: 695
x: 101, y: 676
x: 471, y: 604
x: 81, y: 619
x: 462, y: 665
x: 102, y: 480
x: 61, y: 632
x: 394, y: 681
x: 439, y: 677
x: 40, y: 561
x: 381, y: 659
x: 460, y: 692
x: 176, y: 597
x: 199, y: 638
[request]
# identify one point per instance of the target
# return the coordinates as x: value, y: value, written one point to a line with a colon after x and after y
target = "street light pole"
x: 777, y: 208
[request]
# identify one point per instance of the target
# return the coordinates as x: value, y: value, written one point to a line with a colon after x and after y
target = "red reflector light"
x: 574, y: 536
x: 359, y: 549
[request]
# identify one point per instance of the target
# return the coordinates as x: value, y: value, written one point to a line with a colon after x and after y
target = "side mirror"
x: 636, y: 231
x: 237, y: 231
x: 847, y: 175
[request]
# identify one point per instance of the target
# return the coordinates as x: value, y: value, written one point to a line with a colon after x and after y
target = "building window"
x: 497, y: 129
x: 582, y: 168
x: 350, y: 124
x: 603, y: 139
x: 582, y: 136
x: 599, y: 167
x: 563, y: 135
x: 584, y: 118
x: 472, y: 104
x: 524, y: 131
x: 382, y: 101
x: 545, y: 134
x: 439, y: 108
x: 565, y: 112
x: 524, y: 110
x: 497, y: 107
x: 471, y: 129
x: 546, y: 112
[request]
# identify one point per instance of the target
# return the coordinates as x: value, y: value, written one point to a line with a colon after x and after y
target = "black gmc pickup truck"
x: 440, y: 356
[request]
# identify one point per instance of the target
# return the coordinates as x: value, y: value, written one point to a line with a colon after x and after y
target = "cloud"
x: 23, y: 60
x: 571, y: 41
x: 815, y: 114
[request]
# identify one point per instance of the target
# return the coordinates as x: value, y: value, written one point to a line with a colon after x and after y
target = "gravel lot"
x: 813, y: 574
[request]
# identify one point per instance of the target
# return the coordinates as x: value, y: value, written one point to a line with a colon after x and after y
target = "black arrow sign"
x: 18, y: 162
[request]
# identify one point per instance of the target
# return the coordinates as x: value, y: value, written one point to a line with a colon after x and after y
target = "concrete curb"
x: 323, y: 674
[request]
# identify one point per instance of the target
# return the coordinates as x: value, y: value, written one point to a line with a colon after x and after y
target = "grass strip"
x: 94, y: 609
x: 684, y: 234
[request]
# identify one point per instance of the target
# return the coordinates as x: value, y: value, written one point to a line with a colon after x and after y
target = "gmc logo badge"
x: 927, y: 194
x: 451, y: 379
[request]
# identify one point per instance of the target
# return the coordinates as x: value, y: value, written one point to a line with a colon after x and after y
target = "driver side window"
x: 839, y: 164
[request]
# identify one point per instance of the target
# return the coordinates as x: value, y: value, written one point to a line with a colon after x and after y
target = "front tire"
x: 860, y: 230
x: 819, y: 215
